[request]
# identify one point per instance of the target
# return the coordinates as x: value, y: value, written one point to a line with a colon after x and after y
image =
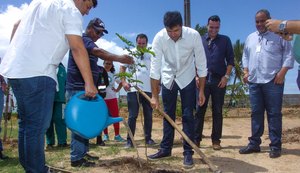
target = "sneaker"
x: 89, y: 157
x: 188, y: 161
x: 128, y: 145
x: 160, y: 154
x: 150, y: 142
x: 119, y: 138
x: 105, y: 137
x: 82, y: 162
x: 216, y: 146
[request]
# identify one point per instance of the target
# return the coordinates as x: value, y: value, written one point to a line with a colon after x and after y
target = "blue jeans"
x: 217, y: 100
x: 35, y: 97
x: 79, y: 145
x: 133, y: 100
x: 266, y: 97
x: 169, y: 97
x: 1, y: 112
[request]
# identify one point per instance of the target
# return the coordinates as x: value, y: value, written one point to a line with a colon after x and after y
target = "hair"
x: 112, y: 69
x: 141, y: 36
x: 172, y: 19
x: 266, y: 12
x: 214, y: 18
x: 95, y: 2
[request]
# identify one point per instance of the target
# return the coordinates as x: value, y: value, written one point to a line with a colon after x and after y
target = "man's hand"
x: 126, y: 86
x: 245, y: 77
x: 90, y: 90
x: 223, y: 82
x: 201, y: 99
x: 273, y: 25
x: 154, y: 102
x: 126, y: 59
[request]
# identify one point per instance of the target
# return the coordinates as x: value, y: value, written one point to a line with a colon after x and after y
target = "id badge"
x: 258, y: 48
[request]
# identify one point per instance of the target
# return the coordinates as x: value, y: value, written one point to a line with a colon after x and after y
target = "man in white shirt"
x: 134, y: 99
x: 40, y: 40
x: 179, y: 57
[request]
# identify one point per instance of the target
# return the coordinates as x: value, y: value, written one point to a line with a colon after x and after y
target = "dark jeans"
x: 169, y: 97
x: 35, y: 98
x: 217, y: 100
x: 133, y: 100
x: 266, y: 97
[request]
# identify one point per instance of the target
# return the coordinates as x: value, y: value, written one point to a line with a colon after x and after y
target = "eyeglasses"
x: 98, y: 32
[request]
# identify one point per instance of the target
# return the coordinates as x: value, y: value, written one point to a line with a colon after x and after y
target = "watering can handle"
x: 81, y: 95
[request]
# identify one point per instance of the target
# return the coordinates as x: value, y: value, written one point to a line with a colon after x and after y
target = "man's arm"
x: 82, y: 61
x: 105, y: 55
x: 16, y: 25
x: 292, y: 26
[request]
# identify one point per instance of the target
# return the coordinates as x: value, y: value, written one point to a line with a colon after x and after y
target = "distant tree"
x: 201, y: 29
x: 237, y: 90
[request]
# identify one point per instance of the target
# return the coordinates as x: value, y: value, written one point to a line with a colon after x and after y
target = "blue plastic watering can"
x: 88, y: 118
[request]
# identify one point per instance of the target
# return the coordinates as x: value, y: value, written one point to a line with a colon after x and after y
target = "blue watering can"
x: 88, y: 118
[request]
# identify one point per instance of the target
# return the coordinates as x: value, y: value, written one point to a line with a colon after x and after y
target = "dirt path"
x: 236, y: 130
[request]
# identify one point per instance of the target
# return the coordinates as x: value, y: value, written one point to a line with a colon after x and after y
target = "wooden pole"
x: 185, y: 137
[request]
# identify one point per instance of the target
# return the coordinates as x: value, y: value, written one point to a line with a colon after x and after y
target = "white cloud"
x: 8, y: 17
x: 12, y: 14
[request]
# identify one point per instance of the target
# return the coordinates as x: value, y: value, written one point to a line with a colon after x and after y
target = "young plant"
x: 137, y: 53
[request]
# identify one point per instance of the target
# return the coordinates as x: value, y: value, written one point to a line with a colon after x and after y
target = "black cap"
x: 98, y: 24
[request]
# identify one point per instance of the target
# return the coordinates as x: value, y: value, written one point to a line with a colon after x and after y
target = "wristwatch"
x: 226, y: 76
x: 282, y: 26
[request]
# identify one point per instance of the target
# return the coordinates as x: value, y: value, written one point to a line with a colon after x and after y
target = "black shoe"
x: 188, y: 161
x: 64, y: 145
x: 128, y: 145
x: 158, y: 155
x: 100, y: 143
x: 2, y: 156
x: 89, y: 157
x: 150, y: 142
x: 274, y: 153
x: 82, y: 162
x: 49, y: 147
x: 248, y: 150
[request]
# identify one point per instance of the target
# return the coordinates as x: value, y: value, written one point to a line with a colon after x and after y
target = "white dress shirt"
x: 40, y: 43
x: 178, y: 61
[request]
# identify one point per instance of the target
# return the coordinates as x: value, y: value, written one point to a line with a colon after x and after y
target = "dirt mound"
x: 132, y: 165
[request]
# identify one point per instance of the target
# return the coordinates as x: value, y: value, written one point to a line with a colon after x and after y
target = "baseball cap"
x: 98, y: 24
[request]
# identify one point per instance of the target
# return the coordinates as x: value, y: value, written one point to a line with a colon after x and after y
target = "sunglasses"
x: 99, y: 33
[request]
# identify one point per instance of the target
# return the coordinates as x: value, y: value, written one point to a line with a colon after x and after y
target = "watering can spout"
x: 111, y: 120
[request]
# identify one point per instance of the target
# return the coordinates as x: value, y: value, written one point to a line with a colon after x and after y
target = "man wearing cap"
x: 39, y: 42
x: 75, y: 83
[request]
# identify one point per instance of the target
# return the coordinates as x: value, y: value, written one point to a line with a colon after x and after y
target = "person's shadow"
x: 226, y: 164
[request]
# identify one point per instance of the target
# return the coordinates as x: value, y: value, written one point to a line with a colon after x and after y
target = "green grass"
x: 57, y: 157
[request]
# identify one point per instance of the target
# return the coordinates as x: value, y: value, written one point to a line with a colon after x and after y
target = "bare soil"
x: 236, y: 129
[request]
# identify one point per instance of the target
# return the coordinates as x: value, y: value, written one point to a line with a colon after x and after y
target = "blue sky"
x: 130, y: 17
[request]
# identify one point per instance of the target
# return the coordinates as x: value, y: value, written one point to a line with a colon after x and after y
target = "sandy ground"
x: 236, y: 129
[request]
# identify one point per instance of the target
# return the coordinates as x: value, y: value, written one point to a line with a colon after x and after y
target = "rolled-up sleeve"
x: 288, y: 57
x: 155, y: 68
